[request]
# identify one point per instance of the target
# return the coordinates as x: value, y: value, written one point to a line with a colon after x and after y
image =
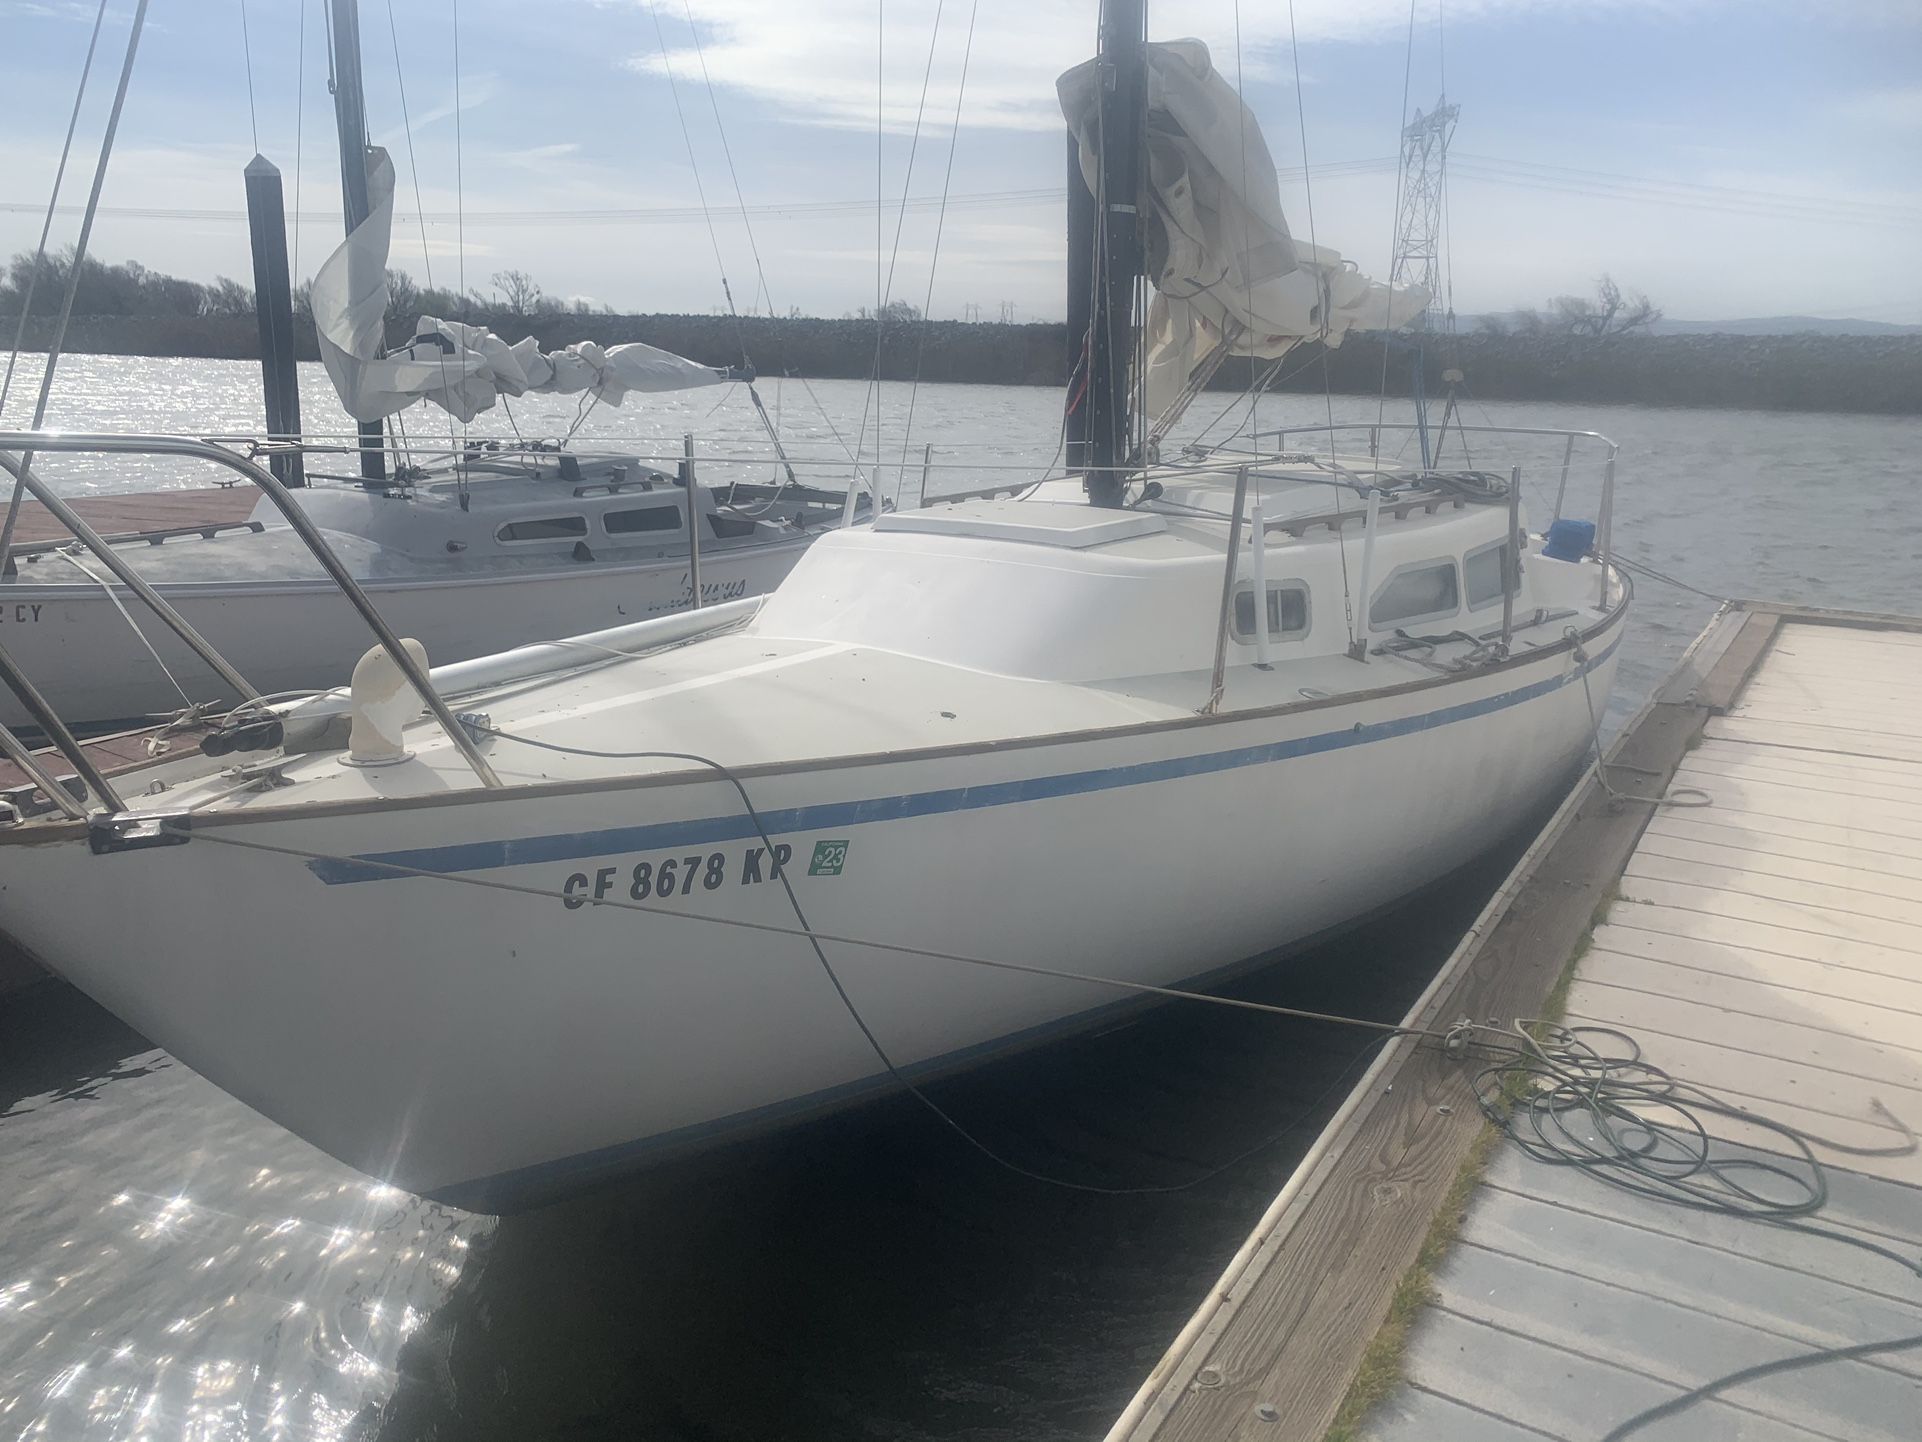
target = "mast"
x: 1115, y: 248
x: 350, y: 117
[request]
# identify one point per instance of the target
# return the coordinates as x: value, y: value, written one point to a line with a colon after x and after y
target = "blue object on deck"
x: 1569, y: 540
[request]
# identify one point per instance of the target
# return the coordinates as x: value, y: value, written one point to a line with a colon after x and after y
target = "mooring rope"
x: 1644, y: 1129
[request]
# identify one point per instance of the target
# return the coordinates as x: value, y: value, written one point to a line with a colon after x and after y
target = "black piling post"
x: 1081, y: 243
x: 274, y: 309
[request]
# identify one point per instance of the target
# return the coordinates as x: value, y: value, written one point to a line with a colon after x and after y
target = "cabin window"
x: 543, y: 528
x: 643, y: 518
x: 1482, y: 573
x: 1425, y: 591
x: 1287, y: 612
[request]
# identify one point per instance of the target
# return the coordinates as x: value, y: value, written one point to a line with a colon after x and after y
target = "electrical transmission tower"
x: 1418, y: 238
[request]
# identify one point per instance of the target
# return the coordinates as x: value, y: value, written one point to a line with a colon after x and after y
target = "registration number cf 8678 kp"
x: 667, y: 878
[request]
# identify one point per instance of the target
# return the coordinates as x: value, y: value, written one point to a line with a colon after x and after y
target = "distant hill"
x: 1879, y: 373
x: 1784, y: 325
x: 1756, y: 325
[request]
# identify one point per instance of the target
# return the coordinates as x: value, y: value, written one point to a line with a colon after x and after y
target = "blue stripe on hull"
x: 839, y: 815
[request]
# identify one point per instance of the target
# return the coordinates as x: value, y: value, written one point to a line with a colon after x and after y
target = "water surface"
x: 172, y: 1265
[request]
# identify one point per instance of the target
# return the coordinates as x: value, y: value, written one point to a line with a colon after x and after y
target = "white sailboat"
x: 490, y: 549
x: 966, y: 774
x: 472, y: 548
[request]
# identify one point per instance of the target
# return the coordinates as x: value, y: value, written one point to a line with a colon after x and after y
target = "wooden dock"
x: 1767, y: 946
x: 141, y: 511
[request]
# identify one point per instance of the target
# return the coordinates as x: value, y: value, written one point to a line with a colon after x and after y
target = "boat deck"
x: 1766, y: 946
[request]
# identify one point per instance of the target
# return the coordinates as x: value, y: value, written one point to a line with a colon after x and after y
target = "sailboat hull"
x: 480, y: 1044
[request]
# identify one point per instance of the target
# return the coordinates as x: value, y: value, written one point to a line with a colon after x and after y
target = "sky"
x: 1729, y: 159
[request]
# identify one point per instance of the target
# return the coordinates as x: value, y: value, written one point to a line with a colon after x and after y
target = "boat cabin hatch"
x: 1039, y: 523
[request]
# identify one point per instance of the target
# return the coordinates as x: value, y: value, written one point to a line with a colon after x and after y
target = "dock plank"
x: 1873, y: 1009
x: 1292, y: 1322
x: 1815, y: 770
x: 1784, y: 1034
x: 1827, y: 922
x: 1689, y: 928
x: 1821, y: 762
x: 1767, y: 947
x: 1724, y: 840
x: 1564, y: 1394
x: 1768, y: 797
x: 1777, y: 963
x: 1817, y: 738
x: 1787, y: 836
x: 1842, y: 876
x: 135, y: 511
x: 1862, y: 703
x: 1868, y: 897
x: 1667, y: 1335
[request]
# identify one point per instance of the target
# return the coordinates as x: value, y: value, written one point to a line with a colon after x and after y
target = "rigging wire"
x: 700, y: 189
x: 884, y: 294
x: 426, y: 256
x: 1327, y: 384
x: 1247, y: 246
x: 880, y: 215
x: 71, y: 557
x: 727, y: 151
x: 300, y: 127
x: 460, y: 182
x: 460, y: 242
x: 59, y: 174
x: 934, y: 262
x: 707, y: 216
x: 247, y: 49
x: 75, y: 270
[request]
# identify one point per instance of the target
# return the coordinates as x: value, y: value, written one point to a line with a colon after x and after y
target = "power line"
x: 989, y: 199
x: 1526, y: 175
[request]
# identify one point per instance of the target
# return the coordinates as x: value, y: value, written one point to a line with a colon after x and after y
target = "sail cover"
x: 461, y: 368
x: 1225, y: 269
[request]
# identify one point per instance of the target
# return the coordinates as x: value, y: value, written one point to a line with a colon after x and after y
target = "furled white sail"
x: 461, y: 368
x: 1224, y: 266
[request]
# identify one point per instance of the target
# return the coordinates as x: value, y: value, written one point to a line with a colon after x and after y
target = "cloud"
x: 49, y: 10
x: 817, y: 62
x: 1890, y: 109
x: 476, y: 91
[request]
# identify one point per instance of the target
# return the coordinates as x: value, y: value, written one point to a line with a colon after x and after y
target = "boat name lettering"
x: 21, y: 613
x: 666, y: 877
x: 712, y: 592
